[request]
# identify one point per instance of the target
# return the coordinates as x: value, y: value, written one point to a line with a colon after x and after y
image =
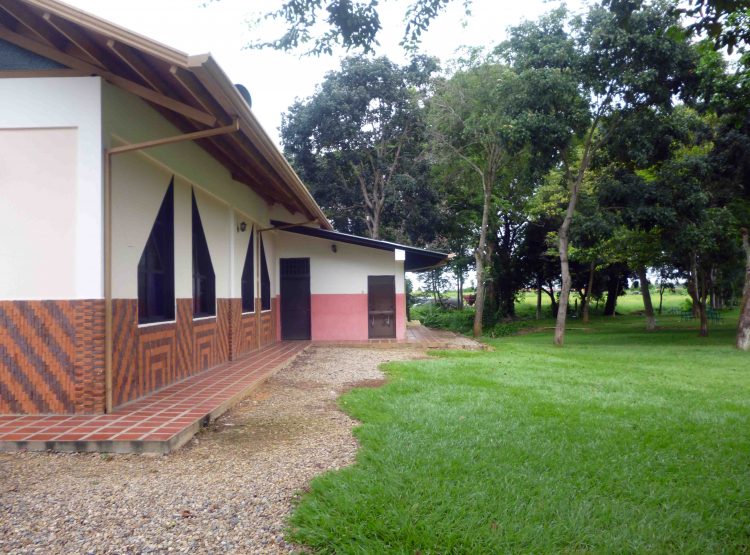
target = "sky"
x: 276, y: 79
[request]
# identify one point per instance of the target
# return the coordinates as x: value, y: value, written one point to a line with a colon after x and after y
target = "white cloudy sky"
x: 275, y: 79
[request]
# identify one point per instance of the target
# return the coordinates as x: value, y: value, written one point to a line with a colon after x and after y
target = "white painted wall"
x: 138, y: 188
x: 241, y: 242
x: 342, y: 272
x: 222, y: 202
x: 216, y: 218
x: 51, y: 188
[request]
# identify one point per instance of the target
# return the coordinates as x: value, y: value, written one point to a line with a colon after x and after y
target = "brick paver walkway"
x: 156, y: 423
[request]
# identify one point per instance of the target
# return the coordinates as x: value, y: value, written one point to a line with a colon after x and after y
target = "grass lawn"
x: 621, y: 442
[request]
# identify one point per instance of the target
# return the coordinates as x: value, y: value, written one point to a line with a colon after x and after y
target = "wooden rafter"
x: 262, y: 166
x: 130, y: 86
x: 84, y: 43
x: 134, y: 60
x: 25, y: 73
x: 195, y: 89
x: 27, y: 19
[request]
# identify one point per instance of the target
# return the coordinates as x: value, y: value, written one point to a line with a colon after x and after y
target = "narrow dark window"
x: 265, y: 280
x: 204, y: 280
x: 248, y: 278
x: 156, y: 267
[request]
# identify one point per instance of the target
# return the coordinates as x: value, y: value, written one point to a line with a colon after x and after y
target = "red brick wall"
x: 148, y: 358
x: 52, y: 356
x: 52, y: 352
x: 268, y: 324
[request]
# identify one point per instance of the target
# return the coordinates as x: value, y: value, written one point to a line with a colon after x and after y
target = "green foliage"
x: 356, y: 143
x: 350, y: 24
x: 458, y: 321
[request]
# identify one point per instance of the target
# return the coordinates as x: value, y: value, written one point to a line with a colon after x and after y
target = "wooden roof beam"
x: 30, y: 22
x: 270, y: 178
x: 126, y: 84
x: 85, y: 44
x: 133, y: 59
x: 196, y: 90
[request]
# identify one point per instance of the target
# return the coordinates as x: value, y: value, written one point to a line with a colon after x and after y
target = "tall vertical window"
x: 204, y: 280
x: 248, y: 277
x: 265, y: 280
x: 156, y: 266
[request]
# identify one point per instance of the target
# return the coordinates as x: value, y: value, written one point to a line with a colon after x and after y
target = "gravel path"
x: 229, y: 491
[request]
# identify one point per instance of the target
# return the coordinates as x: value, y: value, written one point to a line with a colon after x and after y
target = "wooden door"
x: 381, y: 306
x: 295, y: 298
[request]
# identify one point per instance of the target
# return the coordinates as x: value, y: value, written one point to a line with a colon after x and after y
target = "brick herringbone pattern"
x: 51, y: 356
x: 185, y: 337
x: 268, y: 325
x: 89, y: 365
x: 125, y: 379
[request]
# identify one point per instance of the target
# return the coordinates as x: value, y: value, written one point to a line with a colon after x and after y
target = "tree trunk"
x: 698, y: 297
x: 661, y: 297
x: 646, y: 293
x: 460, y: 292
x: 743, y: 325
x: 553, y: 302
x: 563, y: 240
x: 589, y: 287
x: 538, y: 300
x: 613, y: 290
x: 480, y: 256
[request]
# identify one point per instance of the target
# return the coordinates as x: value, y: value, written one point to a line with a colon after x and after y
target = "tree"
x: 498, y: 131
x: 623, y: 58
x: 357, y: 137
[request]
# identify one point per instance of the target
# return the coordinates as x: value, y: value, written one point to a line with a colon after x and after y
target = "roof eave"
x: 204, y: 67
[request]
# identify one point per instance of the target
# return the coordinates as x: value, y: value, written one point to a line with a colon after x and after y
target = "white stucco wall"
x: 222, y: 202
x: 241, y: 242
x: 51, y: 188
x: 342, y: 272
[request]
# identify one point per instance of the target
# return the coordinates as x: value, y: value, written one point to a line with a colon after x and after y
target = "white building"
x: 149, y: 227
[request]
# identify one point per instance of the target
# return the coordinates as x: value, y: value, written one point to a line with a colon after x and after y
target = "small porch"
x: 157, y: 423
x: 168, y: 418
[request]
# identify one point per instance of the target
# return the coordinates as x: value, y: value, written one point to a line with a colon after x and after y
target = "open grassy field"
x: 621, y: 442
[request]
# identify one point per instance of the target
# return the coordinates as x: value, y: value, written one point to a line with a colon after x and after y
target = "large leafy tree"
x: 356, y: 143
x: 623, y: 59
x: 499, y: 129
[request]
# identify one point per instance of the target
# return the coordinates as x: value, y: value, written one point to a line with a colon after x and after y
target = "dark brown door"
x: 295, y: 298
x: 381, y: 306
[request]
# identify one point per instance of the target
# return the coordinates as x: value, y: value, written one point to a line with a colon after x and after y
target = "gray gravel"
x: 228, y: 491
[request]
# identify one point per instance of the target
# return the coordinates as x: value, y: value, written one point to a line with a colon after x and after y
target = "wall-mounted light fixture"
x: 242, y: 227
x: 334, y: 248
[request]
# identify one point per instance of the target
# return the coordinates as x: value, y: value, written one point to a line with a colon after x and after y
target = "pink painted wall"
x: 339, y: 317
x: 400, y: 316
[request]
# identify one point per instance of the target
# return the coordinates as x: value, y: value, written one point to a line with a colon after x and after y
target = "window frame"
x: 203, y: 274
x: 159, y: 306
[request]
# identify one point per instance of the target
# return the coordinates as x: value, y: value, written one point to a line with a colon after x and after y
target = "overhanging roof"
x: 416, y: 259
x: 192, y: 92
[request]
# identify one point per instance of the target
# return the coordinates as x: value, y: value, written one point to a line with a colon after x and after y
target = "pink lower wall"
x: 344, y: 317
x: 339, y: 317
x: 400, y: 316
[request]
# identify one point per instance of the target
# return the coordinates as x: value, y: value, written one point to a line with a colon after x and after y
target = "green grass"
x: 621, y: 442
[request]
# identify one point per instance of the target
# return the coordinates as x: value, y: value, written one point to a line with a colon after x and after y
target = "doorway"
x: 295, y: 298
x: 381, y: 307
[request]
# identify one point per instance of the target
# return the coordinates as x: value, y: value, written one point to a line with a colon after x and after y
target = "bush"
x: 459, y: 321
